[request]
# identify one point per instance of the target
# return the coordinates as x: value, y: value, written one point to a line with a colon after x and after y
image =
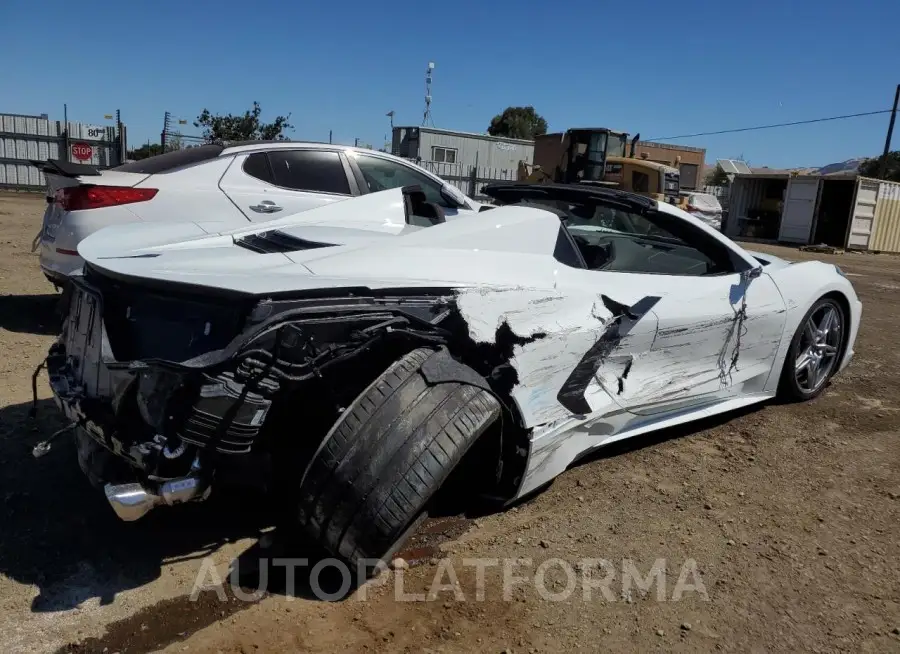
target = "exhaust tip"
x: 131, y: 501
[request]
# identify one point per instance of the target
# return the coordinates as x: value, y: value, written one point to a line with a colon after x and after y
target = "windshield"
x: 593, y: 217
x: 600, y: 218
x: 617, y: 145
x: 589, y: 156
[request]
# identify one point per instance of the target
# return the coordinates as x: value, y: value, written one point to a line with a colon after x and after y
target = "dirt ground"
x: 790, y: 513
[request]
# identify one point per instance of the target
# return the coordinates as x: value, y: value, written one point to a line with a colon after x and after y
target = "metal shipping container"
x: 872, y: 218
x: 745, y: 194
x: 886, y: 220
x: 862, y: 214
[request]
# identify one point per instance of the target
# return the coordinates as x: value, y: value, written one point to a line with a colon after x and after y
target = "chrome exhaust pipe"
x: 133, y: 501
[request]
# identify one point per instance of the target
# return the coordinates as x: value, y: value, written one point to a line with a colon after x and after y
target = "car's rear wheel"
x: 386, y: 456
x: 814, y: 355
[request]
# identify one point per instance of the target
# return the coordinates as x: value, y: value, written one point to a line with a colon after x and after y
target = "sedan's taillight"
x: 77, y: 198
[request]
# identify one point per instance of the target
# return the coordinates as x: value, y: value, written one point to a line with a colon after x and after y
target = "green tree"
x: 247, y: 127
x: 871, y: 167
x: 717, y: 177
x: 145, y: 151
x: 173, y: 142
x: 518, y: 123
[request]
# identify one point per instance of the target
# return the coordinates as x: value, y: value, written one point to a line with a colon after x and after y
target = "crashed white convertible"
x: 351, y: 357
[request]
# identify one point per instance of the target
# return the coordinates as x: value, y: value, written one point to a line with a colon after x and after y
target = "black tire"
x: 789, y: 389
x: 386, y: 456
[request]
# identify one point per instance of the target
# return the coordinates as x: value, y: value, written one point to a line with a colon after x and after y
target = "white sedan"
x: 250, y: 182
x: 356, y: 356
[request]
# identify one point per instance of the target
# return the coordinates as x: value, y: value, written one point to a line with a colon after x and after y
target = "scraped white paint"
x: 708, y: 345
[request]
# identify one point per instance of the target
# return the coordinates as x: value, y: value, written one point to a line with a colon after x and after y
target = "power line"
x: 752, y: 129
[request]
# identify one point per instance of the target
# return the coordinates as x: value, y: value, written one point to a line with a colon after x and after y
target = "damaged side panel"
x: 709, y: 345
x: 590, y: 365
x: 569, y: 369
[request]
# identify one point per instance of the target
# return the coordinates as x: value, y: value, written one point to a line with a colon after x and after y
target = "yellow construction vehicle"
x: 598, y: 156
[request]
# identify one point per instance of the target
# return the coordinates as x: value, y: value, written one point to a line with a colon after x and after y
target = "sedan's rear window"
x: 164, y: 163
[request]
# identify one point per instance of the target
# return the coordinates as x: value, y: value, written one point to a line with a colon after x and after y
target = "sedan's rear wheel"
x: 387, y: 454
x: 815, y: 350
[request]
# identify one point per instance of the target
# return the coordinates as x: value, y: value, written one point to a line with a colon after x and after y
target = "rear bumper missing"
x: 181, y: 389
x: 132, y: 500
x: 123, y: 463
x: 129, y: 492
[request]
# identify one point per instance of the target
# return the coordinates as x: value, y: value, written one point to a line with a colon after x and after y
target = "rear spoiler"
x: 65, y: 168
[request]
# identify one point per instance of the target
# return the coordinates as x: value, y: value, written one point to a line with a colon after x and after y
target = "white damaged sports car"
x: 357, y: 357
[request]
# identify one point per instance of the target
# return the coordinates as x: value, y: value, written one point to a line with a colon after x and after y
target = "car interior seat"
x: 419, y: 211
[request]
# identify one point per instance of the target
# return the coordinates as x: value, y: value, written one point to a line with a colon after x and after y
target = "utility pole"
x: 67, y: 156
x: 882, y: 170
x: 165, y: 130
x: 121, y: 136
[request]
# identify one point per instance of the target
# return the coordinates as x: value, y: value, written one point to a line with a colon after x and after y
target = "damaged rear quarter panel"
x: 557, y: 331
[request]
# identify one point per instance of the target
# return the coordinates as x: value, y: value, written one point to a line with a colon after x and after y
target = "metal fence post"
x: 473, y: 181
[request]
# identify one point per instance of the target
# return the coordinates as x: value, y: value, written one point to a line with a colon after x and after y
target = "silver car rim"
x: 817, y: 353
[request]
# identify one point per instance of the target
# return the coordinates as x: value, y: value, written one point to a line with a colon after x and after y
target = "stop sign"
x: 82, y: 151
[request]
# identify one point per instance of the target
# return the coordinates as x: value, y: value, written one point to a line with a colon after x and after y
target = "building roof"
x: 670, y: 146
x: 765, y: 170
x: 475, y: 135
x: 778, y: 173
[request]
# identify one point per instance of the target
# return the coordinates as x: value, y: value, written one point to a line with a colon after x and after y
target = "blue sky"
x: 658, y: 68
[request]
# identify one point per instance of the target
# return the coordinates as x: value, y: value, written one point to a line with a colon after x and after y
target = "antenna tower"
x: 426, y: 117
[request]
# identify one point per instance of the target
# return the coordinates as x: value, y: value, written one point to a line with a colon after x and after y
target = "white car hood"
x: 374, y: 247
x: 769, y: 261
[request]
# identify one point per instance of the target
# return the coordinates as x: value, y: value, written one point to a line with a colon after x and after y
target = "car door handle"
x: 266, y: 206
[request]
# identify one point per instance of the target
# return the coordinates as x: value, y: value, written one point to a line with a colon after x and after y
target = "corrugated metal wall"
x: 23, y: 138
x: 475, y: 151
x: 745, y: 193
x: 28, y: 125
x: 862, y: 214
x: 471, y: 149
x: 886, y: 229
x: 21, y: 175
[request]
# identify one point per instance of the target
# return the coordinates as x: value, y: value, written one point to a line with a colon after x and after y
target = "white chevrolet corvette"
x: 358, y: 356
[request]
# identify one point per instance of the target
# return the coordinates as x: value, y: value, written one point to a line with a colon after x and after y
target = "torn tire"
x: 387, y: 455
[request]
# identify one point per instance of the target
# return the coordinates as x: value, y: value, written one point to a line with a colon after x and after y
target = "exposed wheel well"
x: 500, y: 455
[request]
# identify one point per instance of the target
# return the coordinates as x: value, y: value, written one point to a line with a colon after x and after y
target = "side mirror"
x: 753, y: 273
